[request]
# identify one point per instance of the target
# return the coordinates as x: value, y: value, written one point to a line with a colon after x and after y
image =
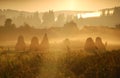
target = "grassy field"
x: 19, y: 65
x: 78, y: 64
x: 105, y: 65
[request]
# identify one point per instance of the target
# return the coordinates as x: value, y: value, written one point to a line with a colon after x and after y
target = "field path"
x: 50, y: 63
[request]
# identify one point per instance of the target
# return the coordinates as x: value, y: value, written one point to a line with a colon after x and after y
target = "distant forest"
x: 109, y: 17
x: 58, y: 25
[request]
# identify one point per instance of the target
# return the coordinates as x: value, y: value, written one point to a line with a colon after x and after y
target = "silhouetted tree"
x: 48, y: 18
x: 51, y: 16
x: 34, y: 46
x: 60, y: 20
x: 25, y: 27
x: 69, y: 18
x: 20, y: 46
x: 44, y: 46
x: 118, y: 26
x: 36, y: 20
x: 8, y: 24
x: 99, y: 44
x: 20, y: 19
x: 90, y: 45
x: 71, y: 26
x: 2, y: 19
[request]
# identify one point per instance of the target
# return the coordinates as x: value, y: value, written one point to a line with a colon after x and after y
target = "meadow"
x: 69, y: 64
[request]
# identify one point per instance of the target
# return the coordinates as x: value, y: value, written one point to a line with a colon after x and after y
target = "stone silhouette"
x: 44, y: 46
x: 99, y: 44
x: 34, y: 46
x: 67, y: 45
x: 20, y: 46
x: 90, y: 45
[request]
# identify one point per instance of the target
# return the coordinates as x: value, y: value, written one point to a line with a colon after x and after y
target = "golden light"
x: 87, y: 15
x: 111, y: 12
x: 78, y: 16
x: 71, y: 4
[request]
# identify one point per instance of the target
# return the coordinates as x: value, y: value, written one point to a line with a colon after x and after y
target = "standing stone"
x: 34, y: 46
x: 44, y: 46
x: 90, y: 45
x: 20, y: 46
x: 67, y: 45
x: 99, y: 44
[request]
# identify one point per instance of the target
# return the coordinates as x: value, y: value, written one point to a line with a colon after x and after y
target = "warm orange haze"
x: 45, y: 5
x: 59, y: 38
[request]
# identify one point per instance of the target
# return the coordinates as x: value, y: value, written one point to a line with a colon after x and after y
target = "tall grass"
x: 19, y: 65
x: 67, y: 65
x: 106, y: 65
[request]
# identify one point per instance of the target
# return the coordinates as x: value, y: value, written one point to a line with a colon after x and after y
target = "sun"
x: 72, y: 4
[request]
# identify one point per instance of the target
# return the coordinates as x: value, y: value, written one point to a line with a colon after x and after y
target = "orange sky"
x: 45, y: 5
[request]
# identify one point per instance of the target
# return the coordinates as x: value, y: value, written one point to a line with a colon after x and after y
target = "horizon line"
x: 54, y: 10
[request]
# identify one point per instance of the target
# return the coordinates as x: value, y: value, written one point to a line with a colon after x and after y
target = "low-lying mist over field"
x: 66, y: 42
x: 57, y: 35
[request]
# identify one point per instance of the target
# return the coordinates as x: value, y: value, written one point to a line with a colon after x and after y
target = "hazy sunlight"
x: 87, y: 15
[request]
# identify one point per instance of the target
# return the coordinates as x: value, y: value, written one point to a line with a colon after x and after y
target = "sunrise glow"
x: 88, y: 15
